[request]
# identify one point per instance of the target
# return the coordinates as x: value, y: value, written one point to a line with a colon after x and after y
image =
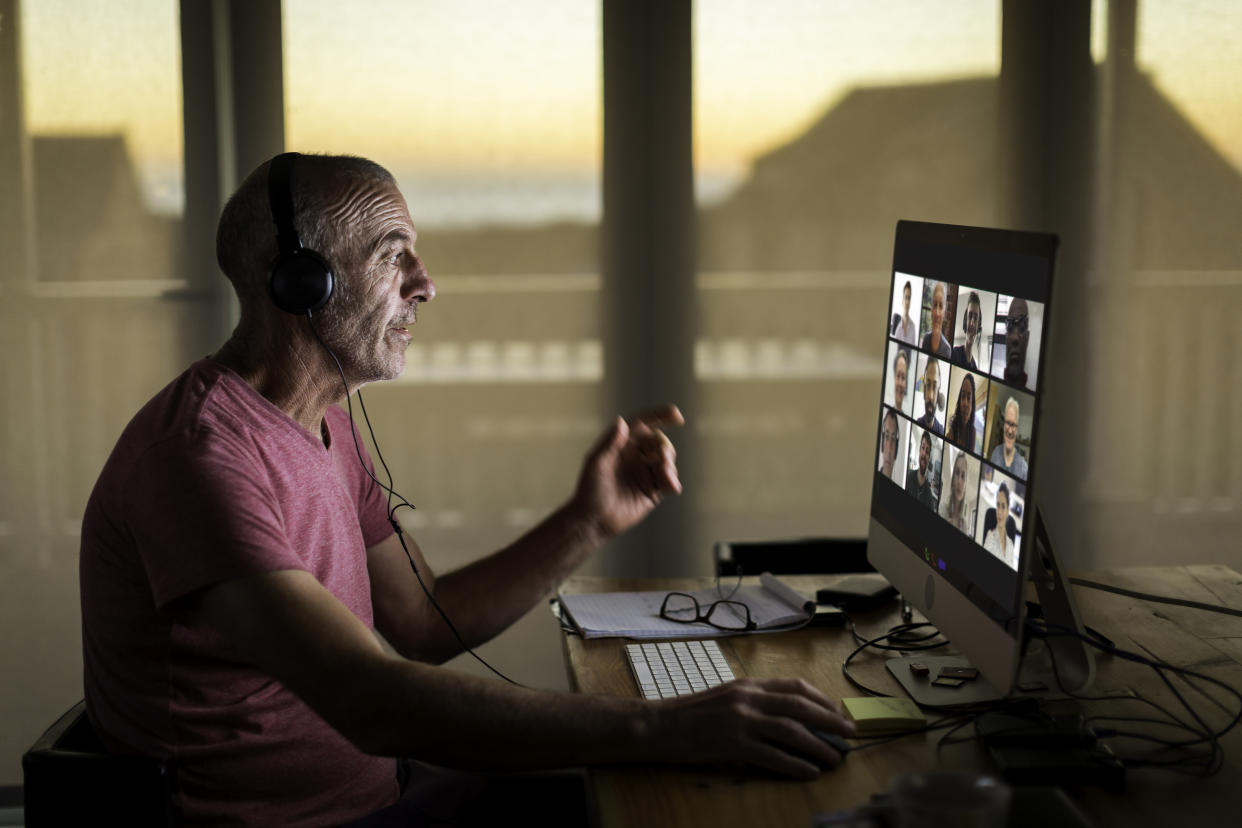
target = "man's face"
x: 1017, y: 333
x: 888, y: 440
x: 905, y: 299
x: 924, y: 455
x: 931, y: 378
x: 937, y: 312
x: 366, y: 321
x: 1010, y: 425
x: 899, y: 381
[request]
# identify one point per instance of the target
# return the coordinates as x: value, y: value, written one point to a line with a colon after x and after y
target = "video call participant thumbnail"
x: 902, y: 326
x: 891, y: 449
x: 1000, y: 525
x: 959, y: 486
x: 921, y: 478
x: 934, y: 339
x: 975, y: 317
x: 1015, y: 353
x: 932, y: 378
x: 1006, y: 455
x: 964, y: 421
x: 899, y: 372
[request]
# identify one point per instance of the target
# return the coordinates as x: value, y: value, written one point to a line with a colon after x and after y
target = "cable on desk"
x: 1159, y: 599
x: 911, y: 644
x: 1212, y: 761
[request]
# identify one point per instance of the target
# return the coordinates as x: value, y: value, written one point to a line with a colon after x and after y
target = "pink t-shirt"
x: 209, y: 482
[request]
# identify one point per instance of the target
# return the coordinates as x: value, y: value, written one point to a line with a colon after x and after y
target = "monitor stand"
x: 1062, y: 665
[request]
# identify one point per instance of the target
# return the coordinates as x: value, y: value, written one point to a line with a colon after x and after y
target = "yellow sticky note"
x: 875, y: 713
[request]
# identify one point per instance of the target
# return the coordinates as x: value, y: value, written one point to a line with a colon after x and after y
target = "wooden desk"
x: 1206, y: 642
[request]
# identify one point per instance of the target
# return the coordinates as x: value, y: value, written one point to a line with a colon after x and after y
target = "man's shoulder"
x: 189, y: 406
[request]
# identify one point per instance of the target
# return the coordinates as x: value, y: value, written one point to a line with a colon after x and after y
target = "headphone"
x: 299, y: 279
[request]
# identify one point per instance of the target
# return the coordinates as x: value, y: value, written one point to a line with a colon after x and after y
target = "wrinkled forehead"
x: 374, y: 211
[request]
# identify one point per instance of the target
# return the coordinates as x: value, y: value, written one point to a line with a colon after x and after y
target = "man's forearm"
x: 483, y: 598
x: 404, y: 708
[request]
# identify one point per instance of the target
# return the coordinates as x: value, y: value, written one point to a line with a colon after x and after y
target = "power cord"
x: 1198, y: 733
x: 1160, y: 599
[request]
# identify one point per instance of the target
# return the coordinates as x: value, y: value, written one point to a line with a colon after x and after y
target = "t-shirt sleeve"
x: 200, y: 515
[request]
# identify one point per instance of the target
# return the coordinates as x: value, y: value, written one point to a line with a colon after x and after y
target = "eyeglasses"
x: 1017, y: 322
x: 1010, y: 425
x: 684, y: 608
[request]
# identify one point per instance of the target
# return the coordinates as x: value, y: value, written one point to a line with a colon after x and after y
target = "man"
x: 888, y: 442
x: 903, y: 326
x: 935, y: 340
x: 931, y: 382
x: 1017, y: 335
x: 238, y: 559
x: 1006, y: 455
x: 972, y: 324
x: 918, y: 481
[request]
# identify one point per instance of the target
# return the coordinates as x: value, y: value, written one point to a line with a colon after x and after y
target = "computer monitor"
x: 953, y: 520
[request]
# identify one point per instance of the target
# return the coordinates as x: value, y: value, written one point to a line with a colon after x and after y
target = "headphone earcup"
x: 299, y: 281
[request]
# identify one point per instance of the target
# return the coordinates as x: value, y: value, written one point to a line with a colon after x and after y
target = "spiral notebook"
x: 774, y: 607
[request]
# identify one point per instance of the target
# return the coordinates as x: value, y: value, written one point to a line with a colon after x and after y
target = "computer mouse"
x: 838, y: 742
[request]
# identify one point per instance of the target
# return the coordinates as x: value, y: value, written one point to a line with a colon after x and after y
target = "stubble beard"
x: 363, y: 358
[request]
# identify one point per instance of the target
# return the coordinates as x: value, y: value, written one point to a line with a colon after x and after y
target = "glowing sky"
x: 496, y: 85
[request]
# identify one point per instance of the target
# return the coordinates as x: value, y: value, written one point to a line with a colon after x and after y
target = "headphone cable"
x: 392, y: 510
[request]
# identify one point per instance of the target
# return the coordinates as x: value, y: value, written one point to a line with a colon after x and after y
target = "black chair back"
x: 70, y: 779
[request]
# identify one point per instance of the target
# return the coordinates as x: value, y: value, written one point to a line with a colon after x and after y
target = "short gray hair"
x: 246, y: 234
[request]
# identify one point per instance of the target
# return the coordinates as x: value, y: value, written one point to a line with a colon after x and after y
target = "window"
x: 1164, y: 471
x: 488, y: 114
x: 94, y: 316
x: 818, y: 125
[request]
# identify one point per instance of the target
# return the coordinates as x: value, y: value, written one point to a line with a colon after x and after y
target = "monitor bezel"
x: 993, y: 645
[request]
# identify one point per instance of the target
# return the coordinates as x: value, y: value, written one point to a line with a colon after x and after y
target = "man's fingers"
x: 800, y: 687
x: 775, y: 760
x: 661, y: 415
x: 614, y: 438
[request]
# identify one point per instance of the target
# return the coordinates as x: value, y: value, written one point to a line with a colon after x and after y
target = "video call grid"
x: 959, y: 438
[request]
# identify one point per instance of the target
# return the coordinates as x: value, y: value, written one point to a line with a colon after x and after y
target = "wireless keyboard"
x: 677, y: 668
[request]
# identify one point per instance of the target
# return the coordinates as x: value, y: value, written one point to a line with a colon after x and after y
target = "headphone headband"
x: 280, y: 195
x: 300, y: 280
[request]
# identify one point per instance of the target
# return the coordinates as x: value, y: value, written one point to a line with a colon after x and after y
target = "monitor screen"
x: 957, y: 431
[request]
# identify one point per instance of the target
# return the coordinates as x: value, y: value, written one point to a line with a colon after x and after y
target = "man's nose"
x: 418, y: 284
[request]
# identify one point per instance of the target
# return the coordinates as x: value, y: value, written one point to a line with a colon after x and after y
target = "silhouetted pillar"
x: 14, y: 151
x: 648, y: 251
x: 233, y: 113
x: 1048, y: 147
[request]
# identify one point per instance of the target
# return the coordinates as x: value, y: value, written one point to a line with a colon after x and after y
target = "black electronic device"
x: 1040, y: 731
x: 957, y: 525
x: 299, y: 279
x: 1059, y: 766
x: 827, y: 615
x: 856, y: 593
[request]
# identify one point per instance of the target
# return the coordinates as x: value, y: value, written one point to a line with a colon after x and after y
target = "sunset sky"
x: 483, y: 88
